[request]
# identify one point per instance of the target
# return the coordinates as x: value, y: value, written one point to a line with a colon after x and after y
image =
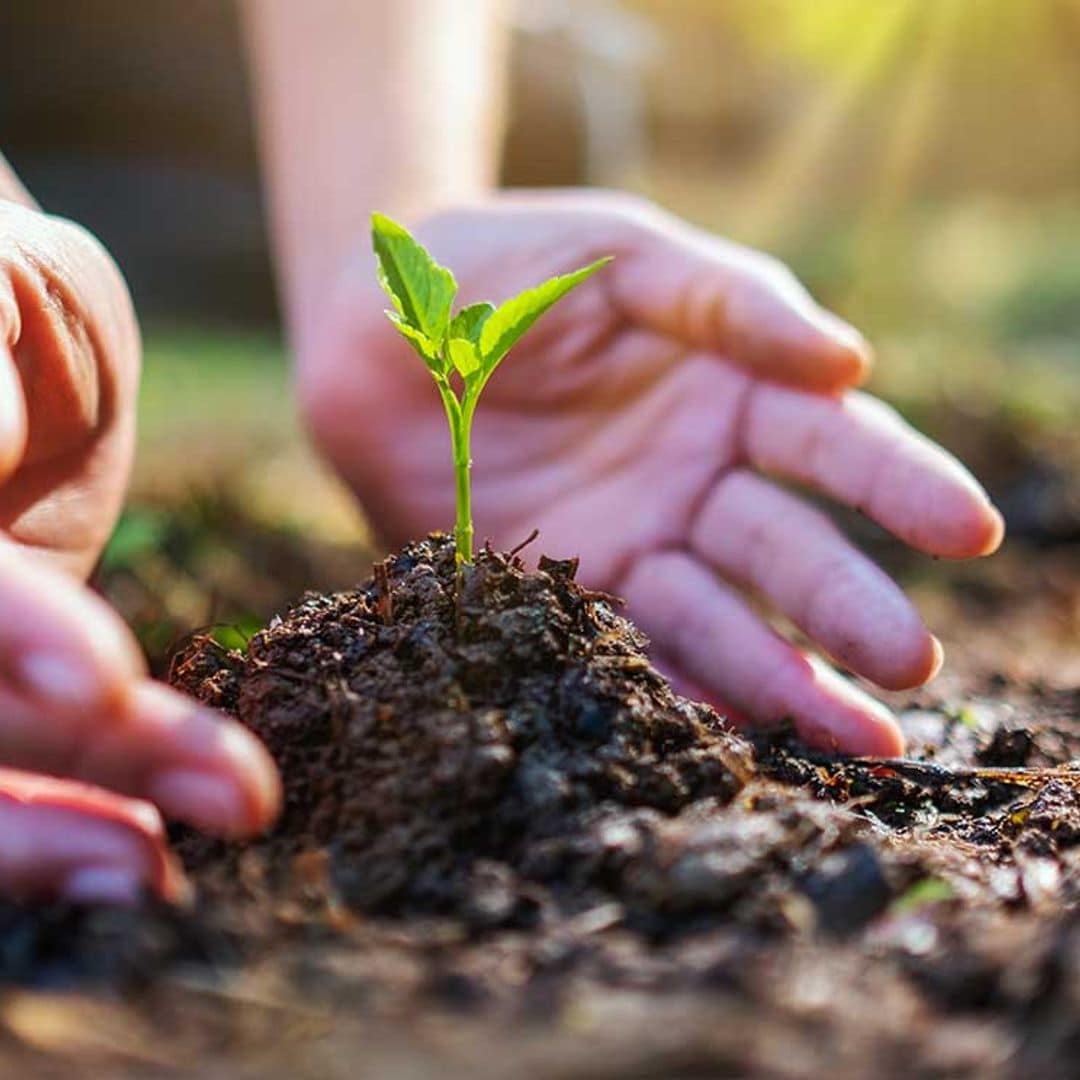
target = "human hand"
x: 90, y: 746
x: 638, y: 425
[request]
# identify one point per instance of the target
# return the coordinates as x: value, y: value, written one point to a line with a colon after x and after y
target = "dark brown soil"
x: 491, y: 757
x: 509, y: 848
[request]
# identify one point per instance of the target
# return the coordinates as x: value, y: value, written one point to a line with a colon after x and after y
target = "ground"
x: 880, y: 919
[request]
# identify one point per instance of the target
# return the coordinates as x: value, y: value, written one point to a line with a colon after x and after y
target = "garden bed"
x: 509, y: 848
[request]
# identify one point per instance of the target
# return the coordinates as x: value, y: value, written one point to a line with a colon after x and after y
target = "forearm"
x: 10, y: 187
x: 364, y: 104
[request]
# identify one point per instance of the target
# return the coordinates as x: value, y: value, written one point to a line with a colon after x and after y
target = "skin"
x: 639, y: 424
x: 94, y: 753
x: 366, y: 105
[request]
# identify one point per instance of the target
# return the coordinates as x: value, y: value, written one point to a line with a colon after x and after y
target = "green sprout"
x: 470, y: 344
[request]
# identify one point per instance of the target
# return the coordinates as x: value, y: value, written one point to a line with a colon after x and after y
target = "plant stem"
x: 460, y: 428
x: 463, y: 526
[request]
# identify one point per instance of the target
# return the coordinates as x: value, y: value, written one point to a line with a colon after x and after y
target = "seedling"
x: 462, y: 350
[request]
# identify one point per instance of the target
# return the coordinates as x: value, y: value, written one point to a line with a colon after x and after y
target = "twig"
x: 525, y: 543
x: 931, y: 773
x: 385, y: 604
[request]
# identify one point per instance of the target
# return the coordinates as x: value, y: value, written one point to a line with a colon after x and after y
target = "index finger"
x: 859, y: 451
x: 713, y: 294
x: 59, y: 837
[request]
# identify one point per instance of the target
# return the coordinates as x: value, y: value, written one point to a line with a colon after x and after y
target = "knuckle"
x: 772, y: 273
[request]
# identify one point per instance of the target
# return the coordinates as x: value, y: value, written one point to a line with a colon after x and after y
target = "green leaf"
x: 237, y: 635
x: 426, y: 349
x: 463, y: 356
x: 421, y: 290
x: 469, y: 321
x: 509, y: 321
x: 922, y: 894
x: 966, y: 716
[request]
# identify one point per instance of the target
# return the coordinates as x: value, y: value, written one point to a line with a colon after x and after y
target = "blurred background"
x: 916, y: 161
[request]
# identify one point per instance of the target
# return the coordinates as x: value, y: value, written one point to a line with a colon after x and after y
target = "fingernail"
x: 845, y: 335
x: 842, y: 332
x: 103, y: 885
x: 996, y: 532
x: 201, y: 799
x: 938, y: 657
x: 58, y: 680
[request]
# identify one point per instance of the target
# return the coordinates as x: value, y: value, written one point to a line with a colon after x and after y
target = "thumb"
x: 716, y: 295
x: 69, y: 329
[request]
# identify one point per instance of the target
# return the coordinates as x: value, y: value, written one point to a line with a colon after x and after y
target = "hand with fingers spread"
x: 90, y: 749
x: 641, y: 425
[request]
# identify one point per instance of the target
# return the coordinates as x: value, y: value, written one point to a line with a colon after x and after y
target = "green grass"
x: 216, y: 413
x: 213, y: 383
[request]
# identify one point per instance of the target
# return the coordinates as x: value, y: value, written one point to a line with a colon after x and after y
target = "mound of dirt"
x: 453, y: 748
x: 502, y: 752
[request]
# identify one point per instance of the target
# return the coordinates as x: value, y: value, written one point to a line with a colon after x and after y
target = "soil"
x: 509, y: 848
x: 491, y: 753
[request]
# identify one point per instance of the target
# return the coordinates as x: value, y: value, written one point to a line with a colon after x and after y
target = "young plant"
x: 469, y: 344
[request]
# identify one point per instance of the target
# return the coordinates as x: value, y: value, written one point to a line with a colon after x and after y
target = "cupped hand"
x: 651, y: 423
x: 91, y: 749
